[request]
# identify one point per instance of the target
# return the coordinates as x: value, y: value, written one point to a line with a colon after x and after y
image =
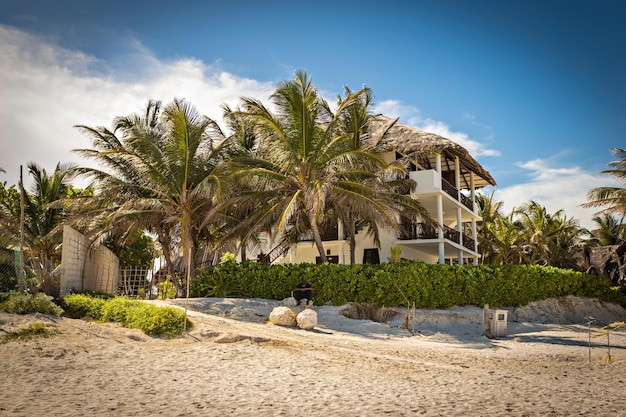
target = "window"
x: 331, y: 259
x: 370, y: 256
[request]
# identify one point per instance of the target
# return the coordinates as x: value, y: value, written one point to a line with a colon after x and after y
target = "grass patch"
x: 32, y: 331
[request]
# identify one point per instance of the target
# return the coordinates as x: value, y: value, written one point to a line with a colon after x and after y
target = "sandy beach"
x: 235, y: 362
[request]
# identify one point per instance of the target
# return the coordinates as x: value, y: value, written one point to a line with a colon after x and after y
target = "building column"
x: 473, y: 193
x: 459, y: 228
x: 457, y: 177
x: 342, y: 253
x: 340, y: 231
x: 442, y: 254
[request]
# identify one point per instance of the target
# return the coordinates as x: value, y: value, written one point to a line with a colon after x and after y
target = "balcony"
x: 416, y: 231
x: 430, y: 181
x: 454, y: 193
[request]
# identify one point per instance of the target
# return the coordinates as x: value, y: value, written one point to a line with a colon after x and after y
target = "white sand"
x: 233, y: 362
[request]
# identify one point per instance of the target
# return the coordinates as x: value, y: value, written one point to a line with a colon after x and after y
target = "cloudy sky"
x: 535, y: 90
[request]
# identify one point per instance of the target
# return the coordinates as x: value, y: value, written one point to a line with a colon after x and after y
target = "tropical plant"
x: 611, y: 231
x: 44, y: 213
x: 308, y: 162
x: 498, y: 235
x: 385, y: 186
x: 612, y: 199
x: 162, y: 172
x: 547, y: 236
x: 135, y: 249
x: 528, y: 235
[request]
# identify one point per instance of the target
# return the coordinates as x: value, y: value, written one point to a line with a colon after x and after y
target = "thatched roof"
x: 420, y: 147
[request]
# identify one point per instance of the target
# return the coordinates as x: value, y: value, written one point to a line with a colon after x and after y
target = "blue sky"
x: 535, y: 90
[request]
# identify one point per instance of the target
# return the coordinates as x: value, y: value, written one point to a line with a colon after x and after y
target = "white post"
x: 442, y: 255
x: 457, y: 177
x: 459, y: 228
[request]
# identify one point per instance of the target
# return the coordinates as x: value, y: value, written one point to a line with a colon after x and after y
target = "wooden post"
x: 487, y: 322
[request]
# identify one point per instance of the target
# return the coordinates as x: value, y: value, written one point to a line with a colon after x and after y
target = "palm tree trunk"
x: 352, y: 248
x: 242, y: 248
x: 317, y: 238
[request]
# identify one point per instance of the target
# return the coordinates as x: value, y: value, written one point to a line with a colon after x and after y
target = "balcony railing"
x: 451, y: 234
x: 450, y: 189
x: 467, y: 202
x: 414, y: 231
x: 454, y: 193
x: 469, y: 243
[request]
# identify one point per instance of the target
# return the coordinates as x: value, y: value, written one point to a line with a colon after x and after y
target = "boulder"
x: 283, y: 316
x: 307, y: 319
x: 289, y: 302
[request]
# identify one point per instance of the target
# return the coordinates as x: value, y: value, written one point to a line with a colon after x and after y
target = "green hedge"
x: 426, y: 285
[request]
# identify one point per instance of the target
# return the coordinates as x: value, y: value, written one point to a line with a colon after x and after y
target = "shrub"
x: 158, y: 321
x: 151, y: 319
x: 118, y: 309
x: 25, y: 303
x: 83, y: 305
x: 166, y: 289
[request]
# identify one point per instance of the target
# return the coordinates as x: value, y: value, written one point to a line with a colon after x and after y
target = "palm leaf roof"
x: 420, y: 148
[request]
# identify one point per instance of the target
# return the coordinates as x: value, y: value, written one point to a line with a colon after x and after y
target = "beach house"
x: 447, y: 178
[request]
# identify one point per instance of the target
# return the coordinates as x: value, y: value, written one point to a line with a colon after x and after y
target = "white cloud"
x: 47, y: 89
x: 411, y: 116
x: 555, y: 188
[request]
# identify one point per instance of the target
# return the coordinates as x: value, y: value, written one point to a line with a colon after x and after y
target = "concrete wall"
x: 86, y: 267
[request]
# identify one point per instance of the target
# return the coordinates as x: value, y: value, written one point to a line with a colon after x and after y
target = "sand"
x: 234, y: 362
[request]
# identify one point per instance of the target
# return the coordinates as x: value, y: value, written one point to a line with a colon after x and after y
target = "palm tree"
x: 549, y: 238
x: 164, y: 168
x: 508, y: 241
x: 44, y: 215
x: 306, y: 162
x: 611, y: 231
x: 490, y: 211
x: 386, y: 186
x: 612, y: 198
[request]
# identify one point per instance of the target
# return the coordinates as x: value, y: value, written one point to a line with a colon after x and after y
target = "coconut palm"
x: 386, y: 186
x: 305, y: 163
x: 43, y: 220
x: 611, y: 231
x: 549, y: 238
x: 164, y: 168
x: 612, y: 199
x: 507, y: 246
x: 490, y: 211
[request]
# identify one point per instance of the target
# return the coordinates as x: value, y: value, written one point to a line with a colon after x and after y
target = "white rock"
x: 289, y: 302
x: 283, y: 316
x: 307, y: 319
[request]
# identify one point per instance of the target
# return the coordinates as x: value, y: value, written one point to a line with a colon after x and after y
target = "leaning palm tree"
x: 164, y: 168
x: 611, y: 199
